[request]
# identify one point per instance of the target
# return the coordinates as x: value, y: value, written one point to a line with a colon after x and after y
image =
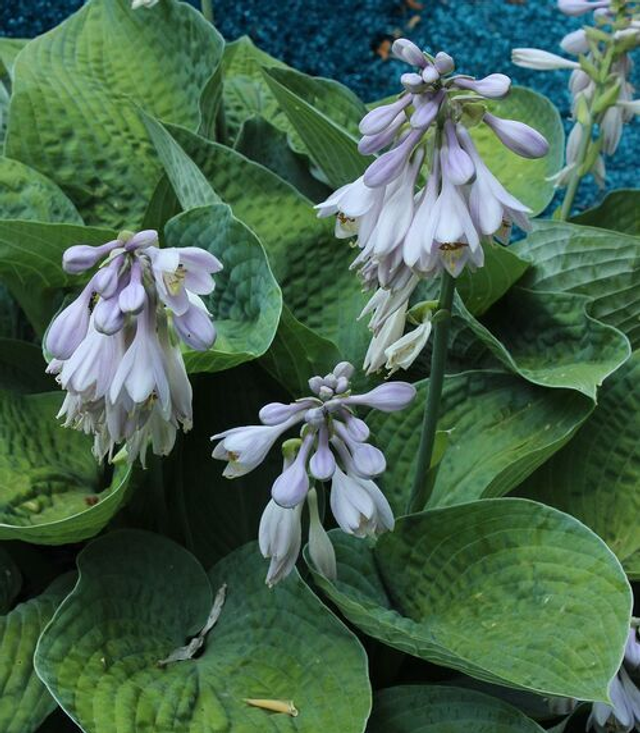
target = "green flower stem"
x: 432, y: 406
x: 207, y: 9
x: 578, y: 173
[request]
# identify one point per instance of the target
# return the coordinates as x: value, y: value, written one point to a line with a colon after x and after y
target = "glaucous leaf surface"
x: 25, y: 702
x: 52, y: 489
x: 595, y: 477
x: 73, y: 112
x: 31, y: 263
x: 452, y: 585
x: 140, y: 596
x: 500, y: 430
x: 439, y: 709
x: 246, y: 302
x: 599, y: 263
x: 27, y: 194
x: 618, y: 211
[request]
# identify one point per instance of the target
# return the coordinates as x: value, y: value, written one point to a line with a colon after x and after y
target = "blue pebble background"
x: 338, y: 38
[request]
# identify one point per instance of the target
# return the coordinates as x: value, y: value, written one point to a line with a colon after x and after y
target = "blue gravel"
x: 337, y: 39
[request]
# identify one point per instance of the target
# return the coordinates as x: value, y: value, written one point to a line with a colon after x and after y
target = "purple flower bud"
x: 493, y: 86
x: 430, y: 74
x: 407, y: 51
x: 444, y: 63
x: 342, y: 385
x: 373, y: 143
x: 292, y: 485
x: 575, y: 42
x: 387, y: 397
x: 107, y: 316
x: 107, y: 279
x: 133, y: 297
x: 142, y: 240
x: 457, y: 165
x: 381, y: 117
x: 580, y: 7
x: 522, y: 139
x: 277, y: 412
x: 344, y: 369
x: 195, y: 328
x: 426, y: 111
x: 315, y: 416
x: 368, y: 461
x: 390, y: 165
x: 315, y: 384
x: 357, y: 428
x: 69, y: 327
x: 412, y: 82
x: 322, y: 464
x: 81, y: 257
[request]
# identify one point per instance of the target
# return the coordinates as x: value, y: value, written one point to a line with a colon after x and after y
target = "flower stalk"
x: 442, y: 321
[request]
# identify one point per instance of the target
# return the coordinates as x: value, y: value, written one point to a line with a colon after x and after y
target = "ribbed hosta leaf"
x: 51, y: 488
x: 141, y: 596
x: 434, y: 709
x: 24, y: 701
x: 246, y: 302
x: 73, y: 112
x: 501, y: 429
x: 302, y: 250
x: 596, y: 476
x: 453, y: 585
x: 27, y: 194
x: 10, y: 581
x: 31, y: 263
x: 599, y: 263
x: 618, y: 212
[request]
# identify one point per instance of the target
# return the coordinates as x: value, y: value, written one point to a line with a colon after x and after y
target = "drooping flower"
x: 332, y: 446
x: 115, y: 348
x: 406, y: 232
x: 624, y: 713
x: 602, y: 95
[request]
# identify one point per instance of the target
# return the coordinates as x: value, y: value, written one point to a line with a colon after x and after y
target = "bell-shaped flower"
x: 279, y: 539
x: 195, y: 326
x: 81, y: 257
x: 69, y: 327
x: 575, y: 42
x: 535, y: 58
x: 393, y: 163
x: 321, y: 550
x: 402, y: 353
x: 519, y: 137
x: 292, y: 485
x: 494, y: 86
x: 358, y: 505
x: 391, y: 331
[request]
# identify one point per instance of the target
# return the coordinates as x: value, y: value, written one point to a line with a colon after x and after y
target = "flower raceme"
x: 332, y: 446
x: 601, y: 91
x: 115, y: 349
x: 406, y: 231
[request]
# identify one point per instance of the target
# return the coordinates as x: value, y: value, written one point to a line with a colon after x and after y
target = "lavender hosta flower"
x: 539, y: 60
x: 332, y: 439
x: 403, y: 352
x: 115, y: 348
x: 406, y: 233
x: 581, y: 7
x: 279, y: 539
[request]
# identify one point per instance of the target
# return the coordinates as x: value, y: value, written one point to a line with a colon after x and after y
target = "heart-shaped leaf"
x: 618, y: 211
x: 501, y: 430
x: 436, y: 709
x: 140, y: 596
x: 73, y: 112
x: 453, y: 585
x: 596, y: 476
x: 25, y: 702
x: 599, y: 263
x: 51, y: 488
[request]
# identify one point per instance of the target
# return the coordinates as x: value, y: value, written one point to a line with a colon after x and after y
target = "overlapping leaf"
x: 24, y: 701
x: 140, y: 596
x: 596, y: 476
x: 501, y: 430
x: 51, y: 489
x: 618, y: 211
x: 601, y: 264
x: 246, y: 302
x: 73, y: 112
x: 435, y: 709
x: 453, y: 585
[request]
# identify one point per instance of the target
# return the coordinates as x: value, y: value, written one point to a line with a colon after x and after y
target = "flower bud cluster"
x: 406, y: 230
x: 115, y: 348
x: 332, y: 446
x: 600, y: 86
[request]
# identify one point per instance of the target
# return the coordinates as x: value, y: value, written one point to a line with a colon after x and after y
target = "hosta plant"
x: 316, y: 413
